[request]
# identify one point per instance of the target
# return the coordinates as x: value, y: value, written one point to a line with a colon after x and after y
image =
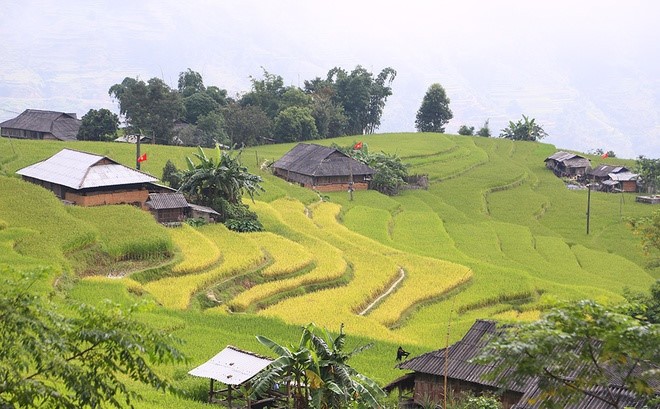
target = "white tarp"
x: 231, y: 366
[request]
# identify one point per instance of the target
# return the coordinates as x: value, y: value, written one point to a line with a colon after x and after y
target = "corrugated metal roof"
x: 62, y: 125
x: 604, y: 170
x: 203, y: 209
x: 623, y: 176
x: 161, y: 201
x: 231, y: 366
x: 80, y: 170
x: 316, y: 160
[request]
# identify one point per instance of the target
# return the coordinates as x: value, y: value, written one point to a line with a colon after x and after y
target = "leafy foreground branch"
x: 74, y: 358
x: 581, y: 349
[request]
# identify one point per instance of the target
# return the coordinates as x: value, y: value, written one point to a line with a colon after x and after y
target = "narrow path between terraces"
x: 402, y: 275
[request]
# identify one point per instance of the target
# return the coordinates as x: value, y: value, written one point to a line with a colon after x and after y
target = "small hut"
x: 614, y: 178
x: 322, y: 168
x: 566, y: 164
x: 233, y: 368
x: 168, y: 207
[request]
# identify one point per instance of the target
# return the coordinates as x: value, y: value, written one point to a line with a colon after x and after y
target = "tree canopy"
x: 524, y: 130
x: 434, y: 112
x: 98, y: 125
x: 649, y: 170
x: 73, y: 356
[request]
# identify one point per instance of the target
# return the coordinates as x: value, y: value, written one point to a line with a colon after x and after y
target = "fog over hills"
x: 589, y: 72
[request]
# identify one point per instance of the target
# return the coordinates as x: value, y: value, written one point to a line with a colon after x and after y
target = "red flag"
x: 142, y: 158
x: 605, y: 155
x: 358, y: 145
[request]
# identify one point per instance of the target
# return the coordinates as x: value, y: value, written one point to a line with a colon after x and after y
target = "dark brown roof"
x: 317, y: 160
x: 61, y: 125
x: 570, y: 160
x: 460, y: 368
x: 160, y: 201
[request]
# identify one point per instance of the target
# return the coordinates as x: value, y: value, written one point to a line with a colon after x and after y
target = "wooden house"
x: 426, y: 381
x: 565, y: 164
x: 322, y: 168
x: 168, y: 207
x: 87, y: 179
x: 614, y: 178
x: 37, y: 124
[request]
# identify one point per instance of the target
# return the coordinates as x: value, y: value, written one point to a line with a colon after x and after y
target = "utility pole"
x: 588, y: 206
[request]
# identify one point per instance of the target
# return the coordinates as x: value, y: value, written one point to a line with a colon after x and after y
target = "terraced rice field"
x: 496, y: 235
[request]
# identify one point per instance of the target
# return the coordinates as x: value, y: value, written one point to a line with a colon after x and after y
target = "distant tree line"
x: 342, y: 103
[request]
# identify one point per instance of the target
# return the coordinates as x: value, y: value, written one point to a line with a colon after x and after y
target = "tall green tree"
x: 266, y: 93
x: 56, y: 355
x: 649, y: 170
x: 361, y: 96
x: 466, y: 130
x: 247, y: 125
x: 150, y: 107
x: 524, y: 130
x: 434, y: 113
x: 199, y: 104
x: 98, y: 125
x: 574, y: 350
x: 319, y: 370
x: 484, y: 130
x: 295, y: 124
x: 190, y: 82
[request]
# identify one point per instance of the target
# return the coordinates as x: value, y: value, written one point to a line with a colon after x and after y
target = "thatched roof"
x: 317, y: 160
x: 63, y: 126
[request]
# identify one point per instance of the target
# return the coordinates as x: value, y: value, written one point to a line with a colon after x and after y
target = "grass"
x: 495, y: 236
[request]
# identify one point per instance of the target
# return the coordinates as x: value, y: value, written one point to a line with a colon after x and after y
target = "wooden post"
x: 588, y: 206
x: 137, y: 153
x: 211, y: 392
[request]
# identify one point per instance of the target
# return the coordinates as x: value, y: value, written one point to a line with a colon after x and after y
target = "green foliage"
x: 465, y: 130
x: 222, y: 177
x: 523, y: 130
x: 434, y: 112
x: 171, y: 175
x: 197, y: 105
x: 74, y: 357
x: 649, y: 171
x: 576, y: 347
x: 98, y: 125
x: 247, y: 125
x: 390, y: 170
x: 150, y: 107
x: 319, y: 370
x: 645, y: 307
x: 295, y: 124
x: 361, y: 96
x: 484, y: 130
x: 190, y: 82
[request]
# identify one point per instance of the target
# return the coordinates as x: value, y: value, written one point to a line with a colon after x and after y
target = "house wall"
x: 132, y: 197
x: 338, y: 187
x: 169, y: 215
x: 629, y: 186
x: 430, y: 388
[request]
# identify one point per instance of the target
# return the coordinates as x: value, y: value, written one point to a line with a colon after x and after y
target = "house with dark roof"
x: 425, y: 382
x: 87, y: 179
x: 38, y: 124
x: 566, y: 164
x: 322, y: 168
x: 168, y: 207
x: 614, y: 178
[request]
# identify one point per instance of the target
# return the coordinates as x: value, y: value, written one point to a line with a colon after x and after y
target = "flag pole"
x: 137, y: 153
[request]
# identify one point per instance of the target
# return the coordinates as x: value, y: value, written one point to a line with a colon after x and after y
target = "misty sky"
x: 588, y: 71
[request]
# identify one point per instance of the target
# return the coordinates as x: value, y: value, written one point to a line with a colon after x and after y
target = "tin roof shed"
x: 232, y: 366
x: 81, y: 170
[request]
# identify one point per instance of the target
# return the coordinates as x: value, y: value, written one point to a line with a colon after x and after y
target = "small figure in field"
x: 401, y: 353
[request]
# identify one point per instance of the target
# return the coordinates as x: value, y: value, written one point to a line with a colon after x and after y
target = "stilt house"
x: 565, y: 164
x: 37, y: 124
